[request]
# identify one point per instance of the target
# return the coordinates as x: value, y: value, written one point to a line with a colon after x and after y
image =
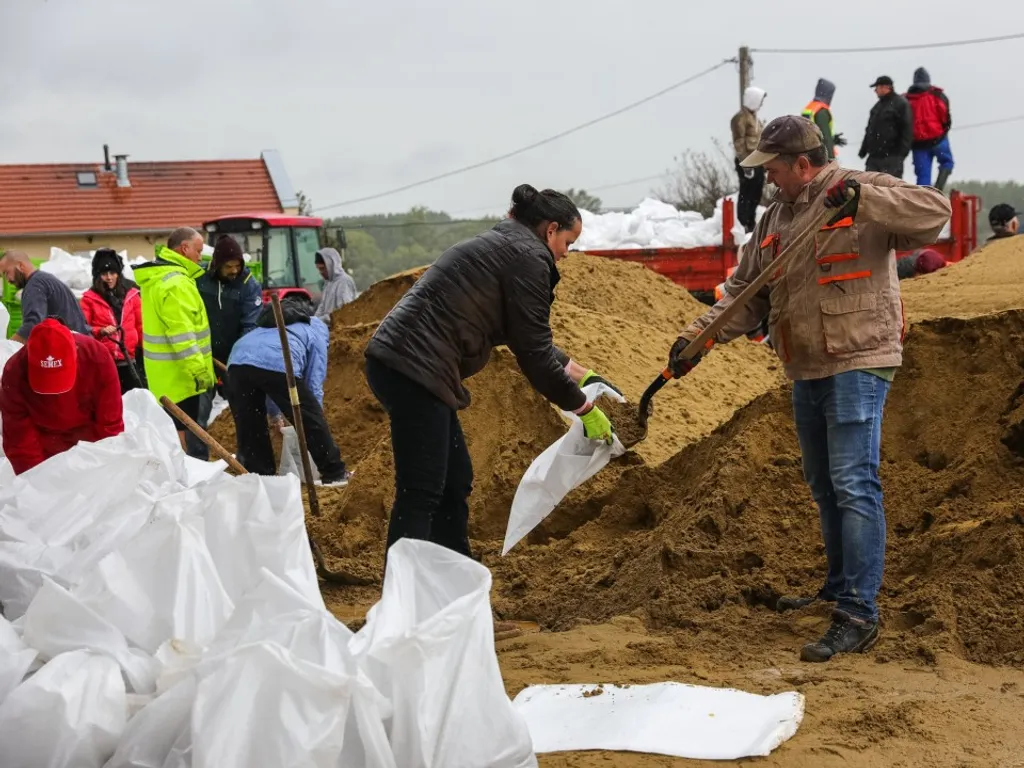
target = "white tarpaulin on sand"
x: 565, y: 464
x: 662, y: 718
x: 163, y: 614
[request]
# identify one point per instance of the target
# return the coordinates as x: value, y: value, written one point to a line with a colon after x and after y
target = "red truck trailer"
x: 700, y: 270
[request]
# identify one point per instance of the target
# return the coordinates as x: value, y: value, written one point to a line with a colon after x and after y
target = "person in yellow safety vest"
x: 758, y: 335
x: 819, y: 112
x: 175, y: 329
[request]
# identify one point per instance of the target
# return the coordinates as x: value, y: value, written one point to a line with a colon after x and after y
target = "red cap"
x: 929, y: 260
x: 52, y: 358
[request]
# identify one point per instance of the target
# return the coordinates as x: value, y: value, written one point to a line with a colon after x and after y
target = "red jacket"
x: 99, y: 314
x: 36, y: 427
x: 931, y: 116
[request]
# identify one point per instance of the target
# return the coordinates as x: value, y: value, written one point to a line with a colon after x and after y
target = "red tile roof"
x: 43, y: 199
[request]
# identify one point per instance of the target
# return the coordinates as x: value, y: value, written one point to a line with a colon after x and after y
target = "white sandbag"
x: 291, y: 456
x: 150, y: 737
x: 664, y: 718
x: 428, y: 646
x: 162, y: 583
x: 265, y: 706
x: 70, y: 713
x: 565, y: 464
x: 56, y: 622
x: 15, y: 658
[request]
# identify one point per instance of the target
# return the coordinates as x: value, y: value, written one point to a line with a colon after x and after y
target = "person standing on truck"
x: 175, y: 329
x: 746, y: 130
x: 890, y: 131
x: 819, y: 112
x: 42, y: 296
x: 113, y: 308
x: 339, y: 287
x: 59, y: 389
x: 932, y: 121
x: 494, y: 289
x: 836, y: 322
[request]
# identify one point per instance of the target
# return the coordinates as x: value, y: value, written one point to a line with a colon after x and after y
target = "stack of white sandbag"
x: 76, y: 271
x: 654, y: 224
x: 162, y: 613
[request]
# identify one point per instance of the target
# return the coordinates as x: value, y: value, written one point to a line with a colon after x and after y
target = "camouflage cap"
x: 787, y: 135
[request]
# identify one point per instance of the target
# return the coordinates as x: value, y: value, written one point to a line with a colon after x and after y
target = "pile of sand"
x: 710, y: 539
x: 988, y: 280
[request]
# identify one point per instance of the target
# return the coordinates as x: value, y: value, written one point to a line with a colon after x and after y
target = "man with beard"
x: 42, y: 296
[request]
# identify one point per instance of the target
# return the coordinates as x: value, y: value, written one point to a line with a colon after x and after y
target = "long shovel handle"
x: 219, y: 450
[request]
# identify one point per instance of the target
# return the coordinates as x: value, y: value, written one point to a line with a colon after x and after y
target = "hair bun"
x: 524, y: 194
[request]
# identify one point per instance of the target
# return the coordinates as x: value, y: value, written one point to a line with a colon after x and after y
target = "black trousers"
x: 433, y: 471
x: 891, y: 165
x: 248, y: 389
x: 751, y: 190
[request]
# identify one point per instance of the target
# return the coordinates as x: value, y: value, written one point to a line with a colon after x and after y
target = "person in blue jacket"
x: 256, y: 374
x: 233, y: 299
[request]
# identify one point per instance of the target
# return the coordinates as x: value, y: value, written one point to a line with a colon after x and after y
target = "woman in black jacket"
x: 494, y: 289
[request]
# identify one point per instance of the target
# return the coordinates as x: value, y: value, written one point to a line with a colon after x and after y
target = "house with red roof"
x: 130, y: 206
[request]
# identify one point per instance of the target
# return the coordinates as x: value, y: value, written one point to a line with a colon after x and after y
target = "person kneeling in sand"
x: 494, y: 289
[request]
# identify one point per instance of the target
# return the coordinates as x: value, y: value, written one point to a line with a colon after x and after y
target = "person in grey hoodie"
x: 339, y: 287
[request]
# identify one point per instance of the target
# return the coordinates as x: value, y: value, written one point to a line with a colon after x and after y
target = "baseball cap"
x: 52, y: 358
x: 787, y: 135
x: 882, y: 80
x: 1001, y: 214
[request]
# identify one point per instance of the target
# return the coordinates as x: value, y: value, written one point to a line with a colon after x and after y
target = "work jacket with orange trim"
x: 836, y: 307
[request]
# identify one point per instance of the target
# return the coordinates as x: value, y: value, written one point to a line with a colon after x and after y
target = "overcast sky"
x: 361, y: 97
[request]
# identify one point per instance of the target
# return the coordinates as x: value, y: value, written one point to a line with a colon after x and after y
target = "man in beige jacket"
x: 836, y: 321
x: 746, y: 131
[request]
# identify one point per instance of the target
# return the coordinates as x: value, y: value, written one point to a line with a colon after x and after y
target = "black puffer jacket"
x: 890, y: 130
x: 494, y: 289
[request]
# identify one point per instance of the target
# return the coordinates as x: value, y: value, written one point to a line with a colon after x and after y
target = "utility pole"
x: 745, y: 63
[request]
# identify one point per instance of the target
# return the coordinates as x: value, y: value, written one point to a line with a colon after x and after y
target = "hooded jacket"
x: 820, y: 112
x: 231, y: 307
x: 99, y: 314
x: 930, y: 107
x: 36, y: 427
x: 746, y: 127
x: 339, y: 288
x: 175, y: 330
x: 494, y: 289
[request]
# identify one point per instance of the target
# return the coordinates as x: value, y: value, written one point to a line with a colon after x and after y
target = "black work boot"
x: 846, y: 635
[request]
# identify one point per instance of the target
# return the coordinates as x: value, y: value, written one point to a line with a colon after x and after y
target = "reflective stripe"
x: 170, y: 276
x: 849, y: 276
x: 184, y: 354
x: 177, y: 339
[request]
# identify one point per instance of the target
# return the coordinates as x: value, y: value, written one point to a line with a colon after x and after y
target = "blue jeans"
x: 923, y: 161
x: 839, y: 424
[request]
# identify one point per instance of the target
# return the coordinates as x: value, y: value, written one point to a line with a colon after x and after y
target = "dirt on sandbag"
x: 708, y: 541
x: 986, y: 281
x: 625, y: 419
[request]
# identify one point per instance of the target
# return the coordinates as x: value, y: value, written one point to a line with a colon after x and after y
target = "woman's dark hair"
x: 533, y: 208
x: 109, y: 258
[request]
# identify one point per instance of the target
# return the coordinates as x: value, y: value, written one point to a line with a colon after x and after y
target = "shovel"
x: 700, y: 342
x: 119, y: 340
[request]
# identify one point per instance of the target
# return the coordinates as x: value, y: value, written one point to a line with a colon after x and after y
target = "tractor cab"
x: 282, y: 248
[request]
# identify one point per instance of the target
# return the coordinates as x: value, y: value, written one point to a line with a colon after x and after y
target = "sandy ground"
x: 665, y: 567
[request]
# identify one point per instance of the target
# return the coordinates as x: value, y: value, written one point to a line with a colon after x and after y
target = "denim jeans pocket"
x: 858, y: 397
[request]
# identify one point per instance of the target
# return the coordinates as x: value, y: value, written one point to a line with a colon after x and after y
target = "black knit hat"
x: 226, y: 250
x: 106, y: 260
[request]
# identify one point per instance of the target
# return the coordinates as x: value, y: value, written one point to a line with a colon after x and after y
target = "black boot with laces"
x: 846, y: 635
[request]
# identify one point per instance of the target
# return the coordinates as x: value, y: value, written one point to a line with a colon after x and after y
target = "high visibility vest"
x: 812, y: 109
x: 175, y: 329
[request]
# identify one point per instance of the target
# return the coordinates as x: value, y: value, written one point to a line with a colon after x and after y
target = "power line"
x: 876, y: 49
x: 534, y: 145
x: 988, y: 122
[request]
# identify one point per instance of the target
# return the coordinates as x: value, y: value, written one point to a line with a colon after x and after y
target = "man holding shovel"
x: 836, y: 322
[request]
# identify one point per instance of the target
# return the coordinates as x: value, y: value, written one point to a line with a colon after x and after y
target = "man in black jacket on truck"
x: 494, y: 289
x: 890, y: 131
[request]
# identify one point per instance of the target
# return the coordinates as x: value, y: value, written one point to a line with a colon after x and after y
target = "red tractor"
x: 283, y: 248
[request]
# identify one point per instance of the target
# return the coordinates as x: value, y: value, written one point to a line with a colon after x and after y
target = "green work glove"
x: 596, y: 425
x: 592, y: 378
